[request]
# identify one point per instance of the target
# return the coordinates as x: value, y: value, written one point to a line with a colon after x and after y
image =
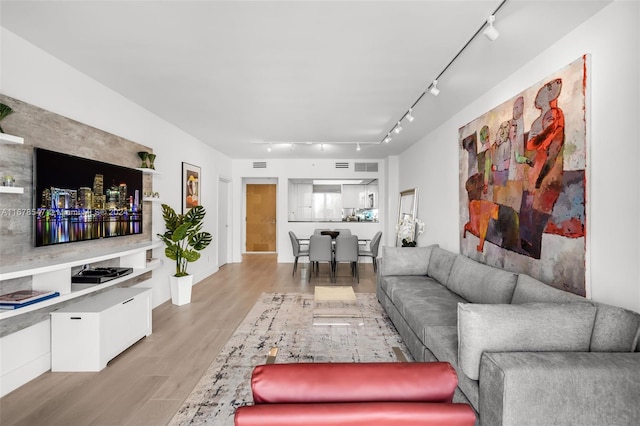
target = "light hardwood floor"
x: 147, y: 383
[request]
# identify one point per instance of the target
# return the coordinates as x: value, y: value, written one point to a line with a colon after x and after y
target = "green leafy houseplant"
x: 184, y: 237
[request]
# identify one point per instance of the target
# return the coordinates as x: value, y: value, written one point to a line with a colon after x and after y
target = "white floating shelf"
x: 55, y: 275
x: 11, y: 190
x: 148, y: 170
x: 10, y: 139
x: 152, y: 199
x: 45, y: 266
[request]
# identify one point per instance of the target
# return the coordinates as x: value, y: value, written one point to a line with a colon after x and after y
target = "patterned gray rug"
x: 285, y: 321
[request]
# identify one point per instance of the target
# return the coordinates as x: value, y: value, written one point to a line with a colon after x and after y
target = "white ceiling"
x: 233, y: 73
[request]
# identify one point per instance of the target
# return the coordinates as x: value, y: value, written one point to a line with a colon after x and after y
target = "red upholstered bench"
x: 353, y: 394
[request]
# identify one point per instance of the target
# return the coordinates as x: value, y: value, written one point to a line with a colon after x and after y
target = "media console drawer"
x: 88, y: 334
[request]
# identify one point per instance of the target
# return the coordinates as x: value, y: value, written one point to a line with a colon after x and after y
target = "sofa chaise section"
x: 516, y: 341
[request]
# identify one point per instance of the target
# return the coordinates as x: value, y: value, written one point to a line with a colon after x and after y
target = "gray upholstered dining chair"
x: 343, y: 231
x: 318, y: 231
x: 346, y: 250
x: 320, y: 250
x: 297, y: 251
x: 374, y: 245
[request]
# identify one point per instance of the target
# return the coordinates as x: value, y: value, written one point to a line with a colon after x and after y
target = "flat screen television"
x: 78, y: 199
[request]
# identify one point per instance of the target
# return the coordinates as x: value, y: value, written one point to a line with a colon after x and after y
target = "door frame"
x: 224, y: 205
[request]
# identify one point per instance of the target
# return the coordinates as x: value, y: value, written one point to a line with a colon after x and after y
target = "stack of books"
x: 21, y: 298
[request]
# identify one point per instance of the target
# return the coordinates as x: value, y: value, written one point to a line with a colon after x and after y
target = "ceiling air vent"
x: 342, y: 165
x: 365, y: 167
x: 259, y: 164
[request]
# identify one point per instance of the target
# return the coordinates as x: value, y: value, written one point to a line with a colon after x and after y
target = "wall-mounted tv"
x: 78, y: 199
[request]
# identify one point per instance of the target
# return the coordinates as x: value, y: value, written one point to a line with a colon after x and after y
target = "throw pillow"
x: 521, y: 328
x: 405, y: 260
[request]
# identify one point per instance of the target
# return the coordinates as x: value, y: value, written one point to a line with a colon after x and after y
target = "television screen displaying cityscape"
x: 78, y: 199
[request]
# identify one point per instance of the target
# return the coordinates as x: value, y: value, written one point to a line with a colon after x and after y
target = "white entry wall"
x: 280, y: 171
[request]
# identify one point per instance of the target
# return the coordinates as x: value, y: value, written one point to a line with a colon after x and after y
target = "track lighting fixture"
x: 490, y: 32
x: 269, y: 148
x: 358, y: 146
x: 321, y: 147
x: 434, y: 88
x: 409, y: 115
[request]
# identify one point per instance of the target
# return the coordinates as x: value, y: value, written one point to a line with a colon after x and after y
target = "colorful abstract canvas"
x: 523, y: 182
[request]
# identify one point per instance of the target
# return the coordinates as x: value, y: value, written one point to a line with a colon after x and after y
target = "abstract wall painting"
x: 523, y: 180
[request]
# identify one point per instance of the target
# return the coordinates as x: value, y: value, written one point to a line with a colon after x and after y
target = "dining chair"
x: 318, y: 231
x: 343, y: 231
x: 374, y: 245
x: 346, y: 250
x: 320, y: 250
x: 297, y: 251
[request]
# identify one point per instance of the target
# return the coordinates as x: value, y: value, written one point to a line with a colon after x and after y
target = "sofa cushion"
x: 531, y: 290
x: 615, y: 329
x: 424, y: 307
x: 392, y: 283
x: 440, y: 264
x: 526, y: 327
x: 479, y: 283
x: 405, y: 260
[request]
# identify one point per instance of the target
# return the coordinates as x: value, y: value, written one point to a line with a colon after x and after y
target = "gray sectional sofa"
x: 525, y: 352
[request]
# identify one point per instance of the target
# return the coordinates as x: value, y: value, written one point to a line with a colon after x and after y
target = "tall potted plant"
x: 183, y: 238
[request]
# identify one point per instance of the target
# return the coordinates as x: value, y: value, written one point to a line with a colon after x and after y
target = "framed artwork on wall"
x: 190, y: 186
x: 523, y: 181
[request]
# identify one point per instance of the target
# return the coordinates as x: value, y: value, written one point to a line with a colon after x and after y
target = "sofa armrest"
x: 405, y: 261
x: 559, y: 388
x: 353, y: 382
x: 356, y: 414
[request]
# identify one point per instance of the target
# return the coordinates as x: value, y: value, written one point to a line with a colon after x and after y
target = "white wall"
x: 31, y: 75
x: 279, y: 171
x: 612, y: 38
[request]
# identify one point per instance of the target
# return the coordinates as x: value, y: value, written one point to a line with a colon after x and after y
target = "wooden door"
x: 261, y: 217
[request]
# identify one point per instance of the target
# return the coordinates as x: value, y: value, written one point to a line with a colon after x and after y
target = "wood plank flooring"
x: 147, y: 383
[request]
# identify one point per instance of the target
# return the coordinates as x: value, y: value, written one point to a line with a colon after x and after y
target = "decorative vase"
x: 151, y: 158
x: 144, y: 156
x: 181, y: 289
x: 406, y: 243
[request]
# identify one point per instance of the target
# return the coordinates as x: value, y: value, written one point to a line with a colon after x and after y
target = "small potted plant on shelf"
x: 4, y: 111
x: 183, y: 238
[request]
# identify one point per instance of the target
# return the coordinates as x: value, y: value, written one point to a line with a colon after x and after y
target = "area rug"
x: 285, y: 321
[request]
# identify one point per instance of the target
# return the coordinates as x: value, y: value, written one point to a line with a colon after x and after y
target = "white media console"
x: 26, y: 352
x: 88, y: 334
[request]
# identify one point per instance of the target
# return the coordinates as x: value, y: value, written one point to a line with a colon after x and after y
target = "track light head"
x: 398, y: 128
x: 269, y: 148
x: 434, y: 88
x: 321, y: 147
x: 388, y: 138
x: 358, y: 147
x: 490, y: 32
x: 409, y: 115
